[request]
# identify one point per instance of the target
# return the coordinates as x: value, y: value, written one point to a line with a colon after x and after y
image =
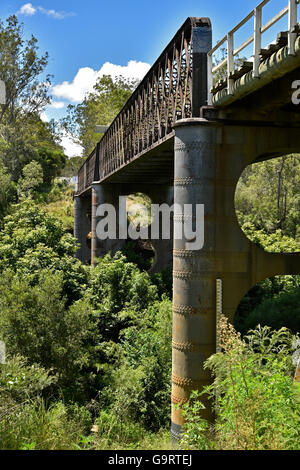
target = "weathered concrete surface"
x: 109, y: 194
x: 82, y: 224
x: 209, y: 159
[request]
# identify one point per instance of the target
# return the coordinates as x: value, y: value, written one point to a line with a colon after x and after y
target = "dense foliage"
x: 105, y: 332
x: 268, y: 209
x: 89, y: 350
x: 257, y: 407
x: 268, y: 203
x: 30, y: 153
x: 99, y: 107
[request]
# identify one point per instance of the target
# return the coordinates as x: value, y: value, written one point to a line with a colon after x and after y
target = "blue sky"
x: 87, y: 38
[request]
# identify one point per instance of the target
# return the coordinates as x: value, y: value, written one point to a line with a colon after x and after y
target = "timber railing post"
x: 230, y: 63
x: 293, y: 13
x: 257, y: 40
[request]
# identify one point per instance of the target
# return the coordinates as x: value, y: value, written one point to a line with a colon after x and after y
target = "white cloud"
x: 27, y: 9
x: 57, y: 105
x: 44, y: 117
x: 83, y: 83
x: 70, y: 147
x: 58, y: 15
x: 86, y: 78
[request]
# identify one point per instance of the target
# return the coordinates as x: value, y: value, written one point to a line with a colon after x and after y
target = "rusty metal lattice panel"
x: 174, y: 88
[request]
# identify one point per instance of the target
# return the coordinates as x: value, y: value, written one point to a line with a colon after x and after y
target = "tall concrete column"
x: 82, y: 226
x: 193, y: 276
x: 104, y: 194
x: 163, y: 259
x: 96, y: 200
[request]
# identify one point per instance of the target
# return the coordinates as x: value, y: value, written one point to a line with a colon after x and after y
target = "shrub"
x: 140, y: 388
x: 35, y: 322
x: 256, y: 405
x: 280, y: 311
x: 32, y: 241
x: 34, y: 426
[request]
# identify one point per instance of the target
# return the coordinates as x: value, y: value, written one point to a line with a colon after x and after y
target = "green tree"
x: 72, y: 166
x: 32, y: 240
x: 36, y: 322
x: 7, y: 190
x: 53, y: 161
x: 22, y: 132
x: 99, y: 107
x: 32, y: 177
x: 20, y: 67
x: 268, y: 200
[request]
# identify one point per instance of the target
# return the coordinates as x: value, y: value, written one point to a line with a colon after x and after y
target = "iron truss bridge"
x: 187, y: 77
x: 169, y: 92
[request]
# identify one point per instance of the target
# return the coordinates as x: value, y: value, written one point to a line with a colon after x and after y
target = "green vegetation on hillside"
x: 257, y: 407
x: 268, y: 209
x: 89, y: 350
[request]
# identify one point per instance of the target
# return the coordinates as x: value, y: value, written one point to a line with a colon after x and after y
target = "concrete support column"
x: 209, y: 159
x: 193, y: 276
x: 96, y: 200
x: 163, y: 248
x: 104, y: 194
x: 82, y: 226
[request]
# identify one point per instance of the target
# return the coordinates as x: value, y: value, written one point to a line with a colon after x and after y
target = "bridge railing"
x: 86, y: 172
x: 256, y: 38
x: 164, y: 96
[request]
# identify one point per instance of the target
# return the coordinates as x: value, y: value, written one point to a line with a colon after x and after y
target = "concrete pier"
x: 209, y: 159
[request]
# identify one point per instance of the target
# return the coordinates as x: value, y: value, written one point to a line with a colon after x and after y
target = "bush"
x: 281, y: 311
x: 140, y: 388
x: 256, y: 405
x: 35, y: 322
x: 34, y: 426
x: 273, y: 302
x: 32, y: 241
x: 26, y: 422
x: 20, y: 381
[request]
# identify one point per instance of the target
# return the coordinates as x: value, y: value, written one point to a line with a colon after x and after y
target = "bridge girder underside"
x: 153, y: 167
